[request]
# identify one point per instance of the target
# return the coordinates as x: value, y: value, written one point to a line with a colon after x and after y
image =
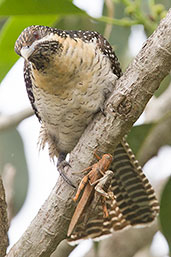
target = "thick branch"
x: 9, y: 121
x: 132, y: 92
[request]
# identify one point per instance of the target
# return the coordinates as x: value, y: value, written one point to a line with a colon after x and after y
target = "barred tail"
x: 134, y: 204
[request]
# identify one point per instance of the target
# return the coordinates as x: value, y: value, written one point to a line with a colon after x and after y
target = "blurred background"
x: 28, y: 175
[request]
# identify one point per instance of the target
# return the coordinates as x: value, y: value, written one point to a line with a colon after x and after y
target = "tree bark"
x: 3, y: 221
x: 63, y: 250
x: 133, y: 91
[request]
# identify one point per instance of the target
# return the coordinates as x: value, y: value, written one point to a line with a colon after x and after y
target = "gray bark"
x: 3, y: 221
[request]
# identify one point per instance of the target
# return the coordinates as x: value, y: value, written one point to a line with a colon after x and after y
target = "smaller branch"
x: 157, y: 108
x: 125, y: 22
x: 146, y: 251
x: 9, y: 121
x: 158, y: 111
x: 110, y: 11
x: 136, y: 16
x: 3, y: 221
x: 134, y: 10
x: 64, y: 249
x: 8, y: 176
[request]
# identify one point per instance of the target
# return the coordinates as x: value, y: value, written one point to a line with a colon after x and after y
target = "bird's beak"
x: 26, y: 51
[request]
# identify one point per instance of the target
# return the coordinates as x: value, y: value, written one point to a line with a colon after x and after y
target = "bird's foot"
x: 62, y: 163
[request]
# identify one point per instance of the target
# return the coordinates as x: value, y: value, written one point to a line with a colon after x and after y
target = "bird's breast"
x: 71, y: 90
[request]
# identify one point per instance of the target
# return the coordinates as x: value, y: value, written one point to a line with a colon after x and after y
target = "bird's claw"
x: 61, y: 167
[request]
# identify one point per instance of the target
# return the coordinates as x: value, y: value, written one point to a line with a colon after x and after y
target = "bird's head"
x: 37, y: 44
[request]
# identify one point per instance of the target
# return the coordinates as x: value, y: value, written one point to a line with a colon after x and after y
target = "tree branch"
x: 8, y: 176
x: 158, y: 112
x: 3, y: 221
x: 132, y: 92
x: 9, y: 121
x: 64, y: 249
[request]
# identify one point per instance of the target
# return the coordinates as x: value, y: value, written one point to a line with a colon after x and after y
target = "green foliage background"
x: 15, y: 15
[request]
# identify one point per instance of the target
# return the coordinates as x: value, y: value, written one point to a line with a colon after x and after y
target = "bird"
x: 68, y: 77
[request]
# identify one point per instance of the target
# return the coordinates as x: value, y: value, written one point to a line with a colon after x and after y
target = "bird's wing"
x: 29, y: 87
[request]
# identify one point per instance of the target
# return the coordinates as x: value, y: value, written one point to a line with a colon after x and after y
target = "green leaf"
x: 34, y: 7
x: 138, y: 135
x: 12, y: 152
x: 165, y: 212
x: 9, y: 34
